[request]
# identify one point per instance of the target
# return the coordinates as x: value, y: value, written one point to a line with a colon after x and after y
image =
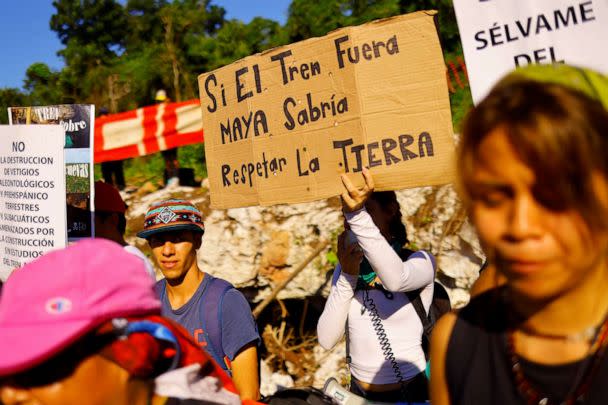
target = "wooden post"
x: 322, y: 245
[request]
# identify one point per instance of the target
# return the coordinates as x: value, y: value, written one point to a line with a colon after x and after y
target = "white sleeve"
x: 332, y: 321
x: 395, y: 274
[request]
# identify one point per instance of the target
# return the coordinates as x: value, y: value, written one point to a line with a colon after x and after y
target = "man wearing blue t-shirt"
x: 212, y: 310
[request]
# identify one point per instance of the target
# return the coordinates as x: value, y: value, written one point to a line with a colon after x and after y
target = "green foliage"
x: 42, y: 85
x: 413, y: 246
x: 193, y: 156
x: 313, y: 19
x: 138, y: 73
x: 332, y: 255
x: 99, y: 22
x: 10, y: 98
x: 92, y: 31
x: 182, y: 21
x: 143, y: 169
x: 140, y: 170
x: 332, y: 258
x: 236, y: 40
x: 75, y: 184
x: 362, y: 11
x: 145, y: 24
x: 118, y: 55
x: 151, y: 168
x: 97, y: 172
x: 461, y: 102
x: 426, y: 220
x: 41, y: 88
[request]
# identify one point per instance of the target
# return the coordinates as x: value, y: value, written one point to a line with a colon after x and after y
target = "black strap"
x: 414, y: 296
x: 416, y: 300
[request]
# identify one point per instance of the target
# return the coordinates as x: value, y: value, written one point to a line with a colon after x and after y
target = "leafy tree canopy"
x: 117, y: 54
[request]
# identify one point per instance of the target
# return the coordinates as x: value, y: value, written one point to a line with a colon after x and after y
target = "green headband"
x: 587, y: 81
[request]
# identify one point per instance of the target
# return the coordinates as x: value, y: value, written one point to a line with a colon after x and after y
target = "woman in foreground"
x: 534, y: 176
x: 82, y: 325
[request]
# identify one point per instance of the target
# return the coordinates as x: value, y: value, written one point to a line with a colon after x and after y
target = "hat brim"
x: 22, y: 348
x: 146, y: 233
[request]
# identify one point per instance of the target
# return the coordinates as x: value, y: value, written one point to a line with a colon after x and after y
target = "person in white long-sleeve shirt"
x: 368, y: 300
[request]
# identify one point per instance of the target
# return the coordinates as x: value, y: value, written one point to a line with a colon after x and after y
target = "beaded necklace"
x: 585, y: 375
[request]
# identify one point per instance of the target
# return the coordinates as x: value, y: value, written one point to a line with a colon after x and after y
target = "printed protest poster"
x: 32, y: 193
x: 281, y: 126
x: 78, y: 123
x: 498, y: 36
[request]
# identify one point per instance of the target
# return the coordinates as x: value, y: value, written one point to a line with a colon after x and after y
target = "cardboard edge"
x: 382, y: 21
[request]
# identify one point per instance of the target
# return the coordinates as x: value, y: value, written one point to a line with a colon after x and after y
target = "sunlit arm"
x: 245, y: 372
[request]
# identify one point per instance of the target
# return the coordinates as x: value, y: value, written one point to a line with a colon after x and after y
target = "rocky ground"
x: 256, y: 248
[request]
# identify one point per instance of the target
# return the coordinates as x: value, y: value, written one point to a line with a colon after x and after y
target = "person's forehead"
x: 183, y: 234
x: 495, y: 144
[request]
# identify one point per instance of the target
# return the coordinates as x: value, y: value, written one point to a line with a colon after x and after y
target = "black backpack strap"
x: 425, y: 319
x: 416, y: 300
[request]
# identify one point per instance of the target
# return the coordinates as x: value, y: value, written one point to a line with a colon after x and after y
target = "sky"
x: 25, y: 36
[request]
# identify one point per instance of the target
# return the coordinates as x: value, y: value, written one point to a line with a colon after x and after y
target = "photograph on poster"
x: 78, y: 198
x: 74, y: 118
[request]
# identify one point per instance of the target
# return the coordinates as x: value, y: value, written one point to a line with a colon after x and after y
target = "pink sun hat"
x: 53, y: 301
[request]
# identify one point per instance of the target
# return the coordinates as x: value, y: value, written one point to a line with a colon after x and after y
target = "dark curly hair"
x: 388, y: 200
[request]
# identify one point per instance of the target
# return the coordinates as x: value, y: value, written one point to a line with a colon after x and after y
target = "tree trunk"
x: 169, y: 42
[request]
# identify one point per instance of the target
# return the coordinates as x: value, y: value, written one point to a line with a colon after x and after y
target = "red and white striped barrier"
x: 147, y: 130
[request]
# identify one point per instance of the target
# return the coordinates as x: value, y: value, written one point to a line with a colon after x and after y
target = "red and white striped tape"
x: 147, y: 130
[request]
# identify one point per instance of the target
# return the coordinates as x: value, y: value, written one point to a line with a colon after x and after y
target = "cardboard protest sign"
x: 498, y: 36
x: 78, y: 123
x: 282, y: 125
x: 32, y: 193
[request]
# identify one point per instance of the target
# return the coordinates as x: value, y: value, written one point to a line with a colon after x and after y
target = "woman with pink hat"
x: 83, y: 325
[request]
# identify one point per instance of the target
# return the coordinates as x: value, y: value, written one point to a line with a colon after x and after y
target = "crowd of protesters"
x: 534, y: 178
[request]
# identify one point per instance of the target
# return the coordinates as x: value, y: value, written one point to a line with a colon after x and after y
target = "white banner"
x: 32, y: 193
x: 78, y: 121
x: 499, y: 35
